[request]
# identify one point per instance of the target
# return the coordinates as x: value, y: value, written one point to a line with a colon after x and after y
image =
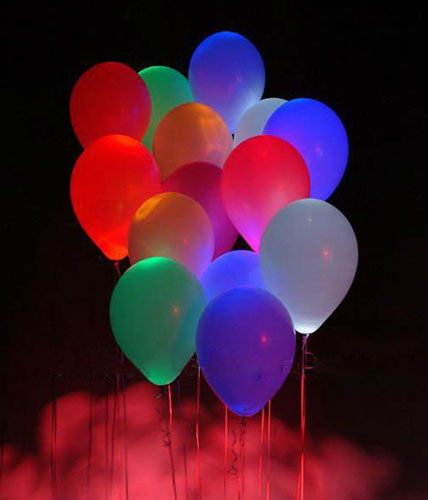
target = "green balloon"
x: 154, y: 313
x: 168, y: 88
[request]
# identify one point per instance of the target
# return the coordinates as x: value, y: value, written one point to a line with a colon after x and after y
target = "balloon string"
x: 262, y: 431
x: 88, y: 474
x: 268, y: 449
x: 168, y: 408
x: 53, y: 442
x: 113, y: 439
x: 198, y: 449
x: 125, y: 436
x: 226, y: 435
x: 301, y: 482
x: 178, y: 412
x: 242, y: 425
x: 106, y: 444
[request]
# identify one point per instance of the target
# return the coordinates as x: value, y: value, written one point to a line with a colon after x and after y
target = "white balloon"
x: 308, y: 257
x: 253, y: 121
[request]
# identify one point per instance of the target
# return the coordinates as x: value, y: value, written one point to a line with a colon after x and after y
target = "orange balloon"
x: 188, y: 133
x: 175, y: 226
x: 109, y: 182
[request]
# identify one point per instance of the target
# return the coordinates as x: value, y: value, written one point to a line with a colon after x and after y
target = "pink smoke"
x: 85, y: 458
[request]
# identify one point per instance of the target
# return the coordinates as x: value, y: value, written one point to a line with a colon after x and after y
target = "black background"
x: 369, y: 384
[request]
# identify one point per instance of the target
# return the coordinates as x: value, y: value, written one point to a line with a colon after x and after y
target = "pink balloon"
x: 261, y: 175
x: 201, y: 181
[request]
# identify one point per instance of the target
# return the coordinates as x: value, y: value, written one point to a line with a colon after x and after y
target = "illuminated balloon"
x: 154, y: 313
x: 201, y: 181
x: 253, y: 121
x: 168, y: 88
x: 261, y: 176
x: 191, y: 132
x: 109, y: 98
x: 309, y: 257
x: 231, y: 270
x: 109, y: 182
x: 245, y: 345
x: 175, y: 226
x: 227, y: 72
x: 319, y: 135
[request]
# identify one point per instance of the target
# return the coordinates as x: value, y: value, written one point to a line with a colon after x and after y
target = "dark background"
x: 369, y: 383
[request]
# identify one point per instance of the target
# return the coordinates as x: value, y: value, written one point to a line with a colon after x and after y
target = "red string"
x: 226, y: 435
x: 88, y: 476
x: 171, y: 457
x: 262, y: 431
x: 107, y: 444
x: 301, y: 481
x: 198, y: 450
x: 125, y: 436
x: 53, y: 447
x: 268, y: 449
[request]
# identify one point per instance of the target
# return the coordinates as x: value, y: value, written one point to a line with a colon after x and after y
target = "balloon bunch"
x: 172, y: 170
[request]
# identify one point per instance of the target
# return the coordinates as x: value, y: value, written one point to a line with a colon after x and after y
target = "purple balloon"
x: 245, y: 345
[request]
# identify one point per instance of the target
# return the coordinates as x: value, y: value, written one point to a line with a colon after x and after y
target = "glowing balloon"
x: 201, y: 181
x: 261, y: 176
x: 168, y: 88
x: 319, y: 135
x: 109, y: 182
x: 227, y: 72
x: 154, y: 313
x: 191, y: 132
x: 109, y: 98
x: 175, y: 226
x: 231, y: 270
x: 245, y: 345
x: 309, y: 257
x: 253, y: 121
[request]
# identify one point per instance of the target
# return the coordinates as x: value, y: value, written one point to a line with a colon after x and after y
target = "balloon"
x: 309, y: 257
x: 233, y: 269
x: 175, y: 226
x: 201, y: 181
x: 168, y: 88
x: 191, y: 132
x: 261, y: 176
x: 245, y: 345
x: 154, y: 313
x: 109, y: 182
x: 109, y: 98
x: 319, y: 135
x: 227, y: 72
x: 253, y: 121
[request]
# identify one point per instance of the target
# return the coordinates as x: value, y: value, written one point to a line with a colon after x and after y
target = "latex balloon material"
x: 317, y: 132
x: 109, y: 182
x: 154, y: 313
x: 309, y: 257
x: 227, y: 72
x: 109, y: 98
x: 175, y: 226
x: 191, y: 132
x: 201, y: 182
x: 261, y: 175
x: 245, y: 345
x: 168, y: 88
x: 253, y: 121
x: 231, y: 270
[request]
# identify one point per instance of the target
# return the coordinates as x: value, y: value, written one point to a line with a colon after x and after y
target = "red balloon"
x: 110, y: 180
x: 201, y: 181
x: 109, y: 98
x: 262, y: 175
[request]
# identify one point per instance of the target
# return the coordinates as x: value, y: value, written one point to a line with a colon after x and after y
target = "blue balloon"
x: 319, y: 135
x: 232, y: 269
x: 245, y: 345
x: 227, y: 72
